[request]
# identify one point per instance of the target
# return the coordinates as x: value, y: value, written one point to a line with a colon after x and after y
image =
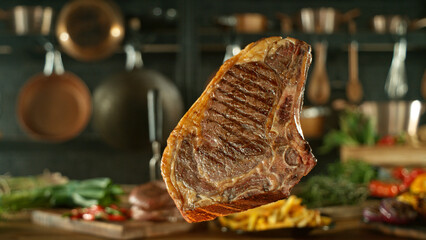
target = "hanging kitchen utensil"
x: 25, y: 20
x: 155, y: 118
x: 318, y: 91
x: 396, y: 81
x: 423, y: 86
x: 353, y: 88
x: 54, y: 105
x: 286, y: 23
x: 90, y: 30
x: 323, y: 20
x: 390, y: 23
x: 120, y: 104
x: 232, y: 48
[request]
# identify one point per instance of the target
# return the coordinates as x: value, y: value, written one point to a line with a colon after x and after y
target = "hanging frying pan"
x: 54, y: 105
x: 120, y: 104
x: 90, y: 30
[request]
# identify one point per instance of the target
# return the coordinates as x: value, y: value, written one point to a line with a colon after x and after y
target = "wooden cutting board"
x: 118, y: 230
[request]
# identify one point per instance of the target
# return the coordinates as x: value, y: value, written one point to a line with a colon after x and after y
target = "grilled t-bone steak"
x: 240, y: 145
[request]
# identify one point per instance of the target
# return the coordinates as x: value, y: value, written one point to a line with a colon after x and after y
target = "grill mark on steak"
x: 266, y: 101
x: 255, y: 69
x: 245, y: 104
x: 248, y: 148
x: 249, y: 86
x: 219, y: 125
x: 213, y: 158
x: 247, y: 80
x: 248, y: 70
x: 238, y: 111
x: 243, y: 126
x: 219, y: 172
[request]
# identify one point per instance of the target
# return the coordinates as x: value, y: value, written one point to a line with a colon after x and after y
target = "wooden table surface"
x: 349, y: 229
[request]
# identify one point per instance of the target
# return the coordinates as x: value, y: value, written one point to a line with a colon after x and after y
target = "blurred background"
x: 366, y: 53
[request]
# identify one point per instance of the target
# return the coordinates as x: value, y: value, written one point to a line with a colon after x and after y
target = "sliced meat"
x: 170, y: 214
x: 151, y: 196
x: 240, y: 145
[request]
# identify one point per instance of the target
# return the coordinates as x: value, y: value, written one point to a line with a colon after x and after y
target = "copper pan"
x: 90, y: 30
x: 55, y: 105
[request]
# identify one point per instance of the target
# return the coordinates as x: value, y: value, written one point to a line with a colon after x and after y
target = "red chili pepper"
x: 387, y: 140
x: 383, y: 189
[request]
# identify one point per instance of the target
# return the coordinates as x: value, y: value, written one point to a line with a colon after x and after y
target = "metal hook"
x: 59, y: 66
x: 49, y: 62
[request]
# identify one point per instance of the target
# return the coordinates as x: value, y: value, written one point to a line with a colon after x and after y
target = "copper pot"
x: 313, y: 120
x: 251, y: 23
